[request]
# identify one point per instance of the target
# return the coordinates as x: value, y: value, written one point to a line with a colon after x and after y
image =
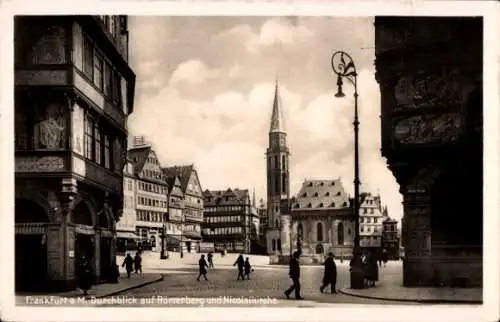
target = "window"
x: 112, y: 26
x: 88, y: 57
x: 276, y: 160
x: 283, y: 183
x: 371, y: 210
x: 365, y: 211
x: 340, y: 233
x: 361, y: 220
x: 107, y: 153
x: 98, y: 67
x: 274, y: 245
x: 107, y: 79
x: 89, y: 128
x: 375, y: 220
x: 319, y: 232
x: 97, y: 142
x: 283, y: 161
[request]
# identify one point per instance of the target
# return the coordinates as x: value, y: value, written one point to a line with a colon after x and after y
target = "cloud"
x: 205, y: 97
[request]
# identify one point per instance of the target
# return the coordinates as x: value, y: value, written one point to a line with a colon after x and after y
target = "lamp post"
x: 343, y: 66
x: 181, y: 246
x: 163, y: 234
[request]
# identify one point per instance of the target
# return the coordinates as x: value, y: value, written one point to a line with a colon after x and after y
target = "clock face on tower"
x: 282, y: 141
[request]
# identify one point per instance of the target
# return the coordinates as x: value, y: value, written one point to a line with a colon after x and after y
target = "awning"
x: 126, y: 235
x: 173, y: 240
x: 192, y: 234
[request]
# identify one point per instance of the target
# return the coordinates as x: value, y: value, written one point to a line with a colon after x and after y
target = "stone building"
x: 371, y: 221
x: 390, y: 238
x: 430, y: 74
x: 193, y: 205
x: 126, y: 238
x: 278, y: 183
x: 173, y: 232
x: 323, y: 219
x: 229, y: 220
x: 74, y: 90
x: 152, y: 196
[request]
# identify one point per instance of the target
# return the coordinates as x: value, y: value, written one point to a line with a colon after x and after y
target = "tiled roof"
x: 182, y: 171
x: 321, y: 194
x: 174, y: 185
x: 139, y: 157
x: 226, y: 197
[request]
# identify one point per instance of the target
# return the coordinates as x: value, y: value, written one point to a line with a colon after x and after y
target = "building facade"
x: 193, y: 205
x: 278, y: 181
x: 390, y: 238
x: 323, y: 219
x: 371, y: 221
x: 74, y: 90
x: 228, y: 220
x: 430, y: 75
x: 126, y: 237
x: 152, y: 197
x: 173, y: 234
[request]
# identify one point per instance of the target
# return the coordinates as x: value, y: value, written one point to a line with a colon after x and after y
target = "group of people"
x: 133, y: 264
x: 244, y: 267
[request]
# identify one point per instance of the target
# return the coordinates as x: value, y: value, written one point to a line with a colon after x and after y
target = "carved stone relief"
x: 50, y: 48
x: 427, y: 129
x: 39, y: 164
x: 430, y: 89
x: 50, y: 129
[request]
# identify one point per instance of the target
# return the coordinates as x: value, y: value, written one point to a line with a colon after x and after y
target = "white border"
x: 488, y: 9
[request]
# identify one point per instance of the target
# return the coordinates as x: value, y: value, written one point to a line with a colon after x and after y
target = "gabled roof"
x: 183, y: 172
x: 174, y: 185
x: 226, y: 197
x: 321, y: 194
x: 139, y: 156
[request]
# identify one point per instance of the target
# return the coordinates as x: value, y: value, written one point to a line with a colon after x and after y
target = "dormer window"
x: 309, y: 205
x: 338, y: 193
x: 320, y: 205
x: 333, y: 183
x: 322, y: 184
x: 297, y: 206
x: 327, y: 194
x: 310, y: 184
x: 305, y: 194
x: 316, y: 194
x: 333, y: 204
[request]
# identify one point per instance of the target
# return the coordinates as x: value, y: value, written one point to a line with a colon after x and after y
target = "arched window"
x: 274, y: 245
x: 319, y: 232
x: 276, y: 223
x: 283, y: 183
x: 300, y: 231
x: 279, y: 245
x: 283, y: 162
x: 340, y: 233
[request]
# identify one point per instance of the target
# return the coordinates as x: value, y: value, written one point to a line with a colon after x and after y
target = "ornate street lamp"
x: 343, y: 66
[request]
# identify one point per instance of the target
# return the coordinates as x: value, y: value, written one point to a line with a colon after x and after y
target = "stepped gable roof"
x: 321, y: 194
x: 182, y: 171
x: 139, y: 156
x: 226, y: 197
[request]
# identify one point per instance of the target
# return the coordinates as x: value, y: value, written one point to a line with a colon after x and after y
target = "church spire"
x: 277, y: 118
x: 253, y: 198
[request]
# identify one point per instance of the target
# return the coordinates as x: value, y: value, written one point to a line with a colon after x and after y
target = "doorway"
x: 105, y: 258
x: 30, y: 263
x: 188, y: 246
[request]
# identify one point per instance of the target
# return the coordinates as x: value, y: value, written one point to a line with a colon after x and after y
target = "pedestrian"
x: 372, y: 270
x: 295, y: 276
x: 85, y: 275
x: 248, y: 268
x: 241, y: 265
x: 202, y: 263
x: 210, y: 260
x: 385, y: 256
x: 138, y: 263
x: 330, y: 275
x: 366, y: 270
x: 128, y: 262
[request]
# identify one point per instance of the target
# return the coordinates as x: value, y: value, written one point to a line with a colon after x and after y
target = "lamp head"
x: 339, y: 87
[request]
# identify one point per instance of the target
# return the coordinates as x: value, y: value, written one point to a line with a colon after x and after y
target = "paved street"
x: 265, y: 282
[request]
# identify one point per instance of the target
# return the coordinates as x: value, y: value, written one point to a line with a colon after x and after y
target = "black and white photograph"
x: 250, y: 160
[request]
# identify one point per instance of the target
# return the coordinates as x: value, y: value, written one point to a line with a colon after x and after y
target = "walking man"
x: 202, y: 263
x: 295, y: 276
x: 330, y: 275
x: 138, y: 263
x: 248, y: 268
x: 128, y: 262
x: 240, y: 261
x: 210, y: 260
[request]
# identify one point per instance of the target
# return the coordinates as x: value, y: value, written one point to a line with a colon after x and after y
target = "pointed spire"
x: 253, y: 198
x: 277, y: 119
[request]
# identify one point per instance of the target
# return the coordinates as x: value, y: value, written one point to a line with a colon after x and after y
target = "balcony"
x: 90, y: 171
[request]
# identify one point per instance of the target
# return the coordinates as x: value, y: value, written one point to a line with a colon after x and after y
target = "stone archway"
x: 82, y: 215
x: 30, y: 246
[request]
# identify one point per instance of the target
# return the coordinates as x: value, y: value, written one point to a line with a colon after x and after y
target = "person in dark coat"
x: 138, y: 263
x: 85, y: 275
x: 241, y: 265
x: 128, y: 263
x: 248, y: 268
x: 385, y: 256
x: 330, y: 275
x: 295, y: 276
x: 210, y: 260
x: 372, y: 270
x: 202, y: 265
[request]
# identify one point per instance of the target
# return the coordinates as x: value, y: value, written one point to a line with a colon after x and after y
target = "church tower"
x: 278, y: 183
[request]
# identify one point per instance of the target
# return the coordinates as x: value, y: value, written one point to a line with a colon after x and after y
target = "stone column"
x: 417, y: 265
x: 96, y: 262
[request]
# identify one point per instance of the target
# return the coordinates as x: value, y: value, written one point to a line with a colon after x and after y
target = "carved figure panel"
x: 50, y: 128
x: 49, y: 48
x: 433, y: 89
x: 428, y: 129
x: 41, y: 77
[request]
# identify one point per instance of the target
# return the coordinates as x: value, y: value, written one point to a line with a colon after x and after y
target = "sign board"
x: 206, y: 247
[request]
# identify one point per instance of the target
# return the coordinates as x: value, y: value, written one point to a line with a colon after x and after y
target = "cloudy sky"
x: 205, y: 89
